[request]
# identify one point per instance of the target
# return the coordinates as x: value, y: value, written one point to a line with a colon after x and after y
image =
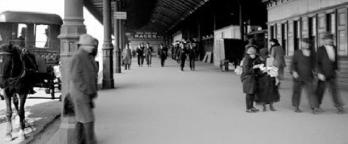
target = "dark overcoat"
x: 324, y: 65
x: 248, y: 76
x: 127, y: 56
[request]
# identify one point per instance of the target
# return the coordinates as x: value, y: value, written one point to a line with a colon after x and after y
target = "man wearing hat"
x: 327, y: 65
x: 83, y: 85
x: 302, y: 68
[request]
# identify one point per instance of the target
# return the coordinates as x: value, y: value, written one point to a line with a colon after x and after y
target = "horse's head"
x: 10, y: 63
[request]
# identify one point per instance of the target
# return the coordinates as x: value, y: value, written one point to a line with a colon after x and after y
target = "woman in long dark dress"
x: 267, y: 92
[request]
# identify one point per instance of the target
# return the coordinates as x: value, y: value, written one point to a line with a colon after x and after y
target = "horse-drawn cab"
x: 38, y: 33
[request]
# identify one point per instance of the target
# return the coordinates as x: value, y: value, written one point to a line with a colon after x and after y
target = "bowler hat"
x: 327, y: 35
x: 86, y: 39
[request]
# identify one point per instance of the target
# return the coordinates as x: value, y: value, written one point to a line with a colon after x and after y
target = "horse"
x: 15, y: 84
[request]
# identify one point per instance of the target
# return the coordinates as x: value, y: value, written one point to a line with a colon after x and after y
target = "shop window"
x: 297, y: 32
x: 275, y: 31
x: 272, y: 32
x: 342, y: 32
x: 331, y: 23
x: 342, y: 38
x: 312, y: 31
x: 284, y: 34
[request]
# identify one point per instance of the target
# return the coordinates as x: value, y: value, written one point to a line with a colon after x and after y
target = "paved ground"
x: 40, y: 111
x: 166, y: 106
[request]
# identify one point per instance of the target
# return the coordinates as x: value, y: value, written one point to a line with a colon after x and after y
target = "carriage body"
x: 37, y: 32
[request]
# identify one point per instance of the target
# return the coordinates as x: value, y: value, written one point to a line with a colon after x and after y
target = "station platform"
x: 163, y: 105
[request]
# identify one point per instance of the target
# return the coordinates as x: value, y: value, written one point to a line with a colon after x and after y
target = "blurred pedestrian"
x: 140, y: 54
x: 148, y: 54
x: 127, y: 57
x: 327, y: 66
x: 248, y: 78
x: 83, y: 86
x: 182, y: 52
x: 302, y: 70
x: 162, y: 54
x: 192, y: 56
x: 177, y: 52
x: 278, y: 54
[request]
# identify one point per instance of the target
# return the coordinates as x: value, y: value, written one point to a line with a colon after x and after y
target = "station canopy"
x: 149, y: 15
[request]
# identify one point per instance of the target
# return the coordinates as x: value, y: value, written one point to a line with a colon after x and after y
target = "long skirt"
x: 267, y: 91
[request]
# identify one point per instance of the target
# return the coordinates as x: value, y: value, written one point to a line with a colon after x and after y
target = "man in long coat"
x: 83, y: 85
x: 127, y: 57
x: 162, y: 53
x: 327, y: 65
x: 182, y: 56
x: 140, y: 54
x: 148, y: 54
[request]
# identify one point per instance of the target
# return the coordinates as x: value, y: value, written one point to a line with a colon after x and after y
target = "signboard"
x: 120, y: 15
x: 147, y: 35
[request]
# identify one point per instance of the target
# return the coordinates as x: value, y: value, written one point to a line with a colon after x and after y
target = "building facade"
x: 291, y: 20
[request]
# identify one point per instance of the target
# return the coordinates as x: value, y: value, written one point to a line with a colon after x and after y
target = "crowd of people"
x: 263, y: 70
x: 181, y: 50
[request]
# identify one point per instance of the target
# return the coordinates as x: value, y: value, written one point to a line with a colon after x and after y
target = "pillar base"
x: 118, y: 61
x: 108, y: 84
x: 108, y: 76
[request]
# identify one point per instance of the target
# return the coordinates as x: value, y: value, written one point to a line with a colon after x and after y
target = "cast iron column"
x: 117, y: 39
x: 241, y: 23
x: 71, y: 29
x: 108, y: 79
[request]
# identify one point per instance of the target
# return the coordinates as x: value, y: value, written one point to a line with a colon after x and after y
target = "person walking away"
x: 177, y: 54
x: 140, y: 54
x: 127, y: 57
x: 302, y: 70
x: 148, y: 54
x: 192, y: 56
x: 162, y: 54
x: 248, y: 78
x: 182, y: 56
x: 327, y: 66
x: 277, y: 53
x: 267, y: 92
x: 83, y: 86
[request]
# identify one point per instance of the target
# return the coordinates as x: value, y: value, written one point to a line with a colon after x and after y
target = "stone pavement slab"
x: 154, y: 105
